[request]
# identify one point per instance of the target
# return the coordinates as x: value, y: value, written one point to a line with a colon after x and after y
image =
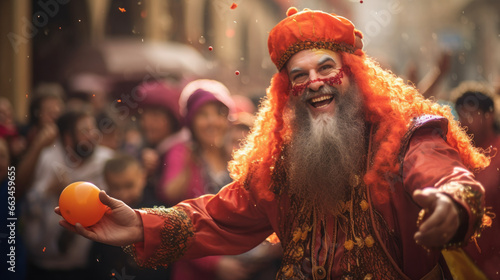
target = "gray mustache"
x: 325, y: 89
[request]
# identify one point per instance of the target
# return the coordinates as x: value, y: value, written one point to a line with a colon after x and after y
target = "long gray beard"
x: 325, y: 152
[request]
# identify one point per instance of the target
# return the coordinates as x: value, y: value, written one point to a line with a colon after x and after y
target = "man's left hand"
x: 443, y: 222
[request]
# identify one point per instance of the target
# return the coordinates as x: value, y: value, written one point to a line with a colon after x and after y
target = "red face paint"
x: 335, y: 80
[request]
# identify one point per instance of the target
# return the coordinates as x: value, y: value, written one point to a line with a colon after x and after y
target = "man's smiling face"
x: 308, y: 71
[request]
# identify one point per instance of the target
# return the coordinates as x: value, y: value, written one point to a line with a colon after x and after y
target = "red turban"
x: 311, y: 30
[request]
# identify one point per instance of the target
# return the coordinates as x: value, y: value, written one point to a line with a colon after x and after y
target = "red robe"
x: 371, y: 237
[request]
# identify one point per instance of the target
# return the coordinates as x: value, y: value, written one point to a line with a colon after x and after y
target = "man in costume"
x: 357, y: 174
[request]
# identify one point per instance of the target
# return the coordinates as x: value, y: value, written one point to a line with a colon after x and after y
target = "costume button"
x: 319, y: 272
x: 369, y: 241
x: 364, y: 205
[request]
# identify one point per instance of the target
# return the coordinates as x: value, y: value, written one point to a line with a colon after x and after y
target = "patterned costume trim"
x: 307, y: 45
x: 176, y: 235
x: 473, y: 199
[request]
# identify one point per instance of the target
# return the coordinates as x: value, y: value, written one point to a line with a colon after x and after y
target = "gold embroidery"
x: 364, y: 205
x: 363, y: 257
x: 473, y: 199
x: 369, y: 241
x: 176, y: 235
x: 349, y: 245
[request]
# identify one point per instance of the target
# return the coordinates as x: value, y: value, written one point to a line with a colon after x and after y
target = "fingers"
x: 442, y: 224
x: 85, y: 232
x: 425, y: 198
x: 109, y: 201
x: 436, y: 237
x: 67, y: 226
x: 57, y: 211
x: 79, y: 229
x: 438, y: 216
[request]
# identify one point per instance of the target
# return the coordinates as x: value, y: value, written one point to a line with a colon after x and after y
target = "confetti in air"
x: 119, y: 100
x: 361, y: 1
x: 44, y: 248
x: 230, y: 33
x: 210, y: 48
x: 237, y: 72
x: 234, y: 6
x: 122, y: 9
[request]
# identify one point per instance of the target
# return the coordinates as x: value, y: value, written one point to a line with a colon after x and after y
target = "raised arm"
x: 231, y: 222
x: 444, y: 188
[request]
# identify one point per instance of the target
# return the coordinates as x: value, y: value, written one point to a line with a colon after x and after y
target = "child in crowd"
x: 126, y: 179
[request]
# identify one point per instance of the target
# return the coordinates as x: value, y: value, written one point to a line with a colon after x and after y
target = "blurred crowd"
x: 156, y: 146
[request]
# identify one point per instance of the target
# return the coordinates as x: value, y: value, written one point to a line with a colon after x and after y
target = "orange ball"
x: 79, y: 203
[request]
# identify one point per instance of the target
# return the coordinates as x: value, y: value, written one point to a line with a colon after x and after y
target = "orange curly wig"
x: 390, y: 103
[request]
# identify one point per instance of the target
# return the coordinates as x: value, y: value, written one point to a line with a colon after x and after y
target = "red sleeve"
x: 230, y: 222
x: 431, y: 162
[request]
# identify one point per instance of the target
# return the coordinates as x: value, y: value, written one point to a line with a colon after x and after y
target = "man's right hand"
x: 119, y: 226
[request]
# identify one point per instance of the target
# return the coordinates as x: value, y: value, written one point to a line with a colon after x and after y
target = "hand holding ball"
x: 79, y: 203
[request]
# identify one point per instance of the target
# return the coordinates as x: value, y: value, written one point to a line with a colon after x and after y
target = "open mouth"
x: 321, y: 101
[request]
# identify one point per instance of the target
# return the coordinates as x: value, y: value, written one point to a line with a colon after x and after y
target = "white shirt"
x: 40, y: 223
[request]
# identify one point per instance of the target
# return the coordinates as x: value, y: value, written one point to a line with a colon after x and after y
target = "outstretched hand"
x: 443, y: 222
x: 119, y: 226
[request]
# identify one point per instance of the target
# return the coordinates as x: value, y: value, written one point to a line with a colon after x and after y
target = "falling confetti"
x: 237, y: 72
x: 210, y: 48
x: 119, y: 100
x: 144, y: 14
x: 230, y: 33
x: 234, y: 6
x: 122, y: 9
x: 44, y: 248
x: 361, y: 1
x: 93, y: 95
x: 60, y: 28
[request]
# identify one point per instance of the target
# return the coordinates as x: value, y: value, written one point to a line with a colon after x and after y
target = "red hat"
x: 199, y: 92
x: 311, y: 30
x: 159, y: 94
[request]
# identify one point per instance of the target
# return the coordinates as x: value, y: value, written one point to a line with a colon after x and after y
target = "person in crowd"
x: 199, y: 167
x: 202, y: 162
x: 89, y: 89
x: 358, y: 175
x: 125, y: 178
x: 243, y: 122
x: 75, y: 156
x: 161, y: 124
x: 132, y: 141
x: 476, y: 110
x: 111, y: 130
x: 10, y: 132
x: 45, y: 108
